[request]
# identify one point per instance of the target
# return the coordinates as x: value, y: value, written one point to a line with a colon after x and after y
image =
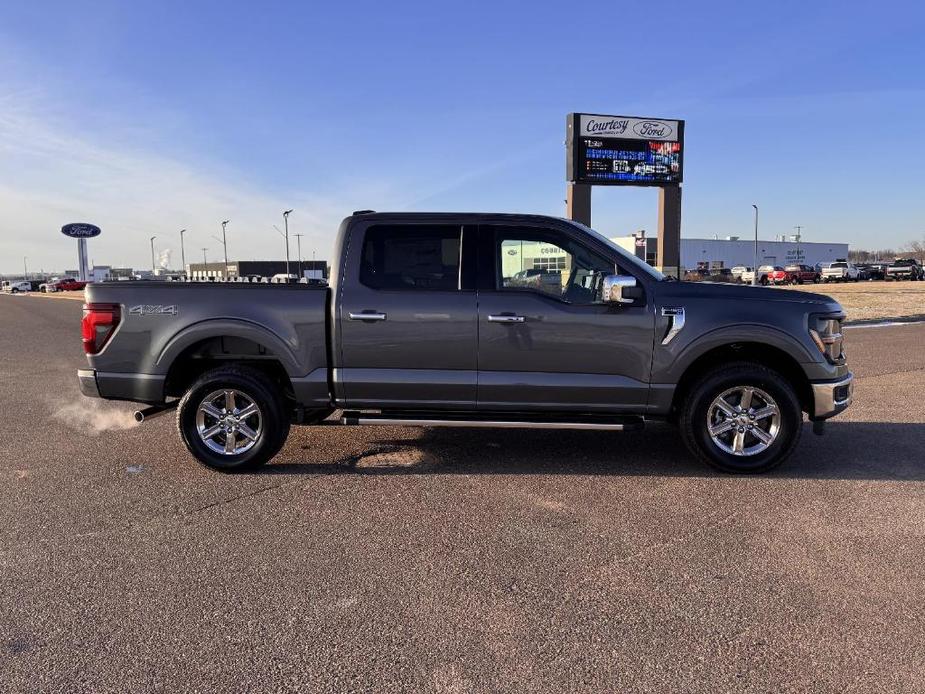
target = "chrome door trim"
x: 506, y: 319
x: 676, y: 313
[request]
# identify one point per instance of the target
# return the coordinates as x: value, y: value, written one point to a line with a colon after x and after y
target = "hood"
x: 720, y: 291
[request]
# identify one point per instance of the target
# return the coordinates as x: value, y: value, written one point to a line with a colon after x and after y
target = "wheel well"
x: 212, y: 352
x: 763, y: 354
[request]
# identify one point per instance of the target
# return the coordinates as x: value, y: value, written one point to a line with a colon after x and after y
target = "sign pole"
x: 82, y: 259
x: 578, y: 202
x: 668, y: 259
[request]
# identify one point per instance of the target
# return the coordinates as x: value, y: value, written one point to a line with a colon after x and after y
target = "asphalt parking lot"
x: 391, y: 559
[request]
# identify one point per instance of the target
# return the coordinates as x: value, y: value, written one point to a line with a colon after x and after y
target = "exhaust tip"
x: 139, y: 416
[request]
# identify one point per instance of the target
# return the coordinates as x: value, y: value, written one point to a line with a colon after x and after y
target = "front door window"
x: 550, y: 265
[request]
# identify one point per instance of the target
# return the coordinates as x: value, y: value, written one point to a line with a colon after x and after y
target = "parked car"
x: 840, y: 271
x: 419, y: 328
x: 66, y: 284
x: 801, y: 274
x: 16, y: 286
x: 720, y: 275
x: 535, y: 277
x: 764, y: 274
x: 738, y: 270
x: 870, y: 271
x: 905, y: 269
x: 779, y: 275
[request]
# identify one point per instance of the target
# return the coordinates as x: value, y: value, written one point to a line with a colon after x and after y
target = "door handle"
x: 503, y: 318
x: 366, y: 316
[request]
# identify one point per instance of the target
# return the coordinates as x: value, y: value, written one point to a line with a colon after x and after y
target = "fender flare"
x: 227, y: 327
x: 755, y: 333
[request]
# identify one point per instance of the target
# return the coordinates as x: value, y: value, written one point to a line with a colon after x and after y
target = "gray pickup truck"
x: 477, y: 320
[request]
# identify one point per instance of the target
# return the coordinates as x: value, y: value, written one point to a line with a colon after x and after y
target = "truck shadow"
x: 849, y: 450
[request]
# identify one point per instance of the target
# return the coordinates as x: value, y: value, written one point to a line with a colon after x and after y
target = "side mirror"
x: 621, y: 289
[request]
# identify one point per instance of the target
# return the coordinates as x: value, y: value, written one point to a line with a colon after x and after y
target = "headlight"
x: 827, y: 336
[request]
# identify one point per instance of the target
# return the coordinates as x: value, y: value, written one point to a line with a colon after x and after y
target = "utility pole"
x: 205, y: 261
x: 298, y: 240
x: 225, y: 244
x: 25, y: 268
x: 755, y: 273
x: 182, y: 251
x: 799, y: 228
x: 153, y: 264
x: 286, y: 225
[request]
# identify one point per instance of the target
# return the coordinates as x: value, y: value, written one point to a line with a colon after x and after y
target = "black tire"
x: 693, y: 421
x: 273, y: 417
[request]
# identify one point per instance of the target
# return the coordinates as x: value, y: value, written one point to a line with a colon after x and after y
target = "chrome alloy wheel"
x: 229, y: 422
x: 743, y: 421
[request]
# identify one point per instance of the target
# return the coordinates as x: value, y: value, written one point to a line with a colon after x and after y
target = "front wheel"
x: 742, y: 418
x: 233, y: 418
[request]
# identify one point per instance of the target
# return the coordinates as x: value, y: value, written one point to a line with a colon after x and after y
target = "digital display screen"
x: 616, y: 150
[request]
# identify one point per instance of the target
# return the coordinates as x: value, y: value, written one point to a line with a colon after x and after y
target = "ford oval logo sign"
x: 653, y: 129
x: 81, y: 230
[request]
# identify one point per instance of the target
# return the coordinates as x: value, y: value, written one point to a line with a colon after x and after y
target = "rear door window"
x: 411, y: 257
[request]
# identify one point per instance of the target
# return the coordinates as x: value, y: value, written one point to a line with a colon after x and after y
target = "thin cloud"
x: 50, y: 175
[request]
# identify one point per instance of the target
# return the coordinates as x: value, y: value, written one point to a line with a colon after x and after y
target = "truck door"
x: 546, y: 339
x: 408, y: 328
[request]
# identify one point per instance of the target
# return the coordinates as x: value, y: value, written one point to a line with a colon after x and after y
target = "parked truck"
x: 905, y: 269
x: 840, y: 271
x: 434, y: 320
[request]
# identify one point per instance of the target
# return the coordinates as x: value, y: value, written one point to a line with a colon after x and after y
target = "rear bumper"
x: 832, y: 397
x: 146, y: 388
x: 86, y: 379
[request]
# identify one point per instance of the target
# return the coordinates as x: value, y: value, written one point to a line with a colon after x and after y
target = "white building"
x: 732, y: 251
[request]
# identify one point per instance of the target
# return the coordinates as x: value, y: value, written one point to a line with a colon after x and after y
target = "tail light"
x: 99, y: 323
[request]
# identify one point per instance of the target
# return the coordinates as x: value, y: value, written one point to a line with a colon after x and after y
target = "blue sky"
x: 146, y: 118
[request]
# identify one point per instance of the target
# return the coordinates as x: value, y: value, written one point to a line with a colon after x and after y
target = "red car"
x: 777, y: 275
x: 800, y: 274
x: 68, y: 284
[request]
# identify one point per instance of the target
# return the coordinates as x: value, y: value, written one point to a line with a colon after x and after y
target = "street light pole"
x: 225, y: 243
x: 755, y: 272
x: 298, y: 240
x: 182, y: 251
x: 799, y: 228
x: 153, y: 264
x: 205, y: 261
x: 286, y: 226
x: 25, y: 268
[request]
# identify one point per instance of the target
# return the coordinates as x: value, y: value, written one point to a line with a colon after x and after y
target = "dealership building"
x: 716, y: 253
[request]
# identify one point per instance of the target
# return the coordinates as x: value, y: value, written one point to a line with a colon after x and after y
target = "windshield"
x: 624, y: 255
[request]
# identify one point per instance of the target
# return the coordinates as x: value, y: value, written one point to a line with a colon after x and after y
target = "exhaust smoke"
x: 92, y: 417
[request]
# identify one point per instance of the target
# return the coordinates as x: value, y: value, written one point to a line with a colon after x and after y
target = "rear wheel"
x: 233, y: 419
x: 742, y: 418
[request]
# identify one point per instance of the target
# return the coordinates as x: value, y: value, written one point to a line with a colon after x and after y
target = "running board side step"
x: 595, y: 424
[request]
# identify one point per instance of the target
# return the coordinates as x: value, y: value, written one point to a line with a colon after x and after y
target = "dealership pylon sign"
x: 81, y: 231
x: 604, y: 150
x: 624, y: 150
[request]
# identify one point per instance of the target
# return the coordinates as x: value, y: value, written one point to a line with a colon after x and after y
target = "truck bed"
x: 166, y: 323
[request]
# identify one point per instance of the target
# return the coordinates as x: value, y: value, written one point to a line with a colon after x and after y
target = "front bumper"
x: 86, y: 378
x: 832, y: 397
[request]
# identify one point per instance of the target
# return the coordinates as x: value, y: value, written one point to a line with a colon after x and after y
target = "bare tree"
x: 916, y: 249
